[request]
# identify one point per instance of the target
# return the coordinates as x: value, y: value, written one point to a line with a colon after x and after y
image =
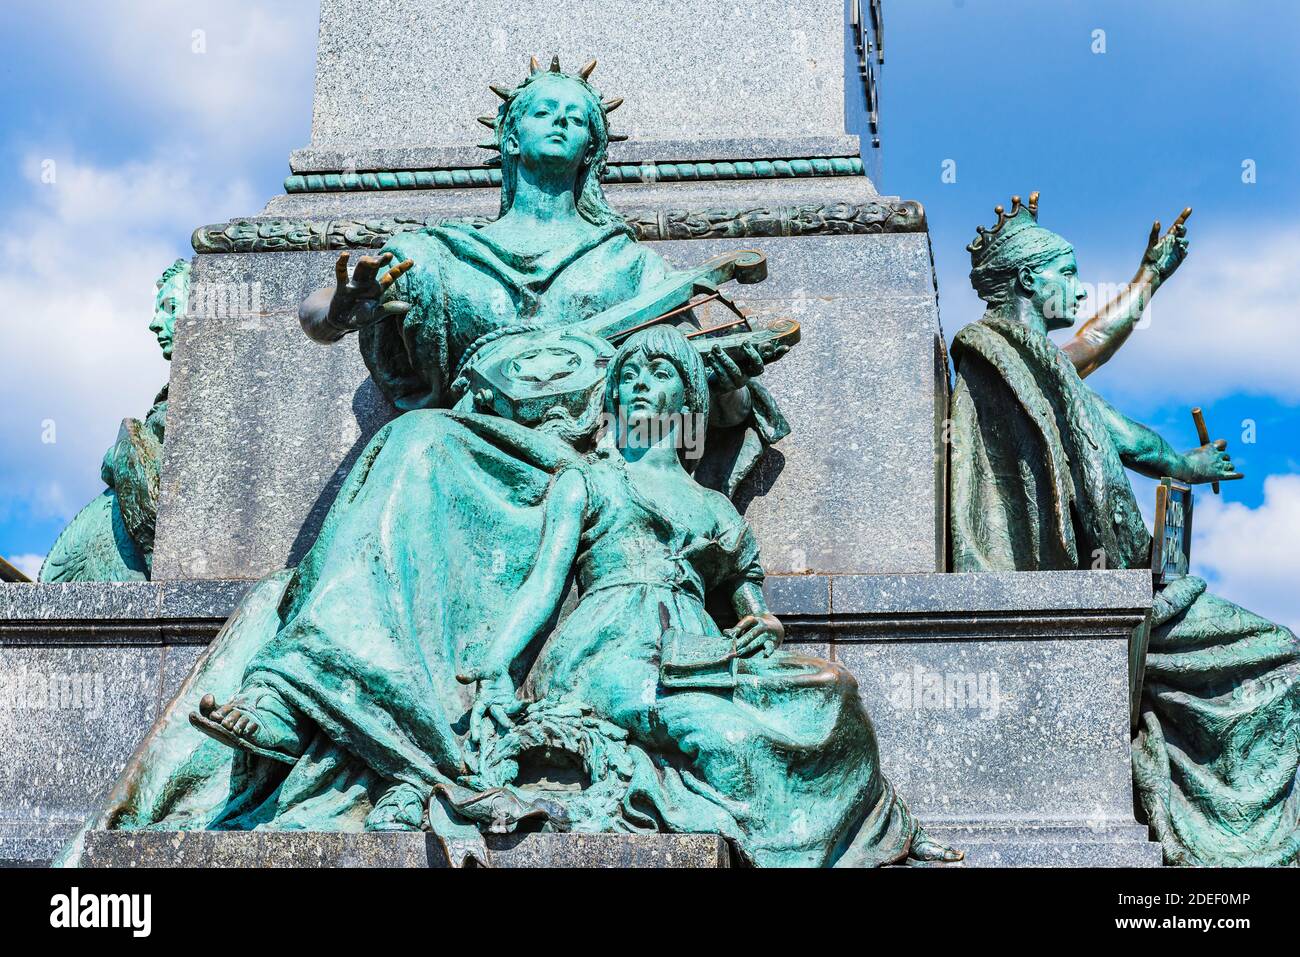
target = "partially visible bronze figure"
x: 1038, y: 482
x: 111, y: 539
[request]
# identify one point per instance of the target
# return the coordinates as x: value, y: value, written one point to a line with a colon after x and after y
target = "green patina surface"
x: 111, y: 539
x: 614, y: 173
x: 806, y: 219
x: 1039, y: 482
x: 503, y: 626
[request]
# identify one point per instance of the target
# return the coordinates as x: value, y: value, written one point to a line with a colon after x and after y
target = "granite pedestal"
x: 85, y: 669
x: 998, y: 700
x: 306, y: 849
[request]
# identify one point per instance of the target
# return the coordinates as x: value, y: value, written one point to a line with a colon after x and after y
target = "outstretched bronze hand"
x: 1102, y: 335
x: 494, y: 699
x: 327, y: 315
x: 1164, y: 254
x: 728, y: 375
x: 727, y: 380
x: 362, y: 291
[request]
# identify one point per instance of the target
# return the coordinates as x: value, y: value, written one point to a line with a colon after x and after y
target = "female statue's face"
x: 649, y: 389
x: 1055, y: 291
x: 554, y: 129
x: 168, y: 304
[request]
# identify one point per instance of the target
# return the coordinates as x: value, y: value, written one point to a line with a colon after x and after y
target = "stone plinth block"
x: 264, y: 425
x: 695, y: 69
x: 1000, y: 702
x: 85, y: 669
x: 317, y: 849
x: 1051, y: 844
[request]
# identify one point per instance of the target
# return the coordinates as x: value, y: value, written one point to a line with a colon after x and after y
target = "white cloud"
x: 77, y: 273
x: 29, y: 565
x: 1248, y: 554
x: 251, y: 80
x: 1219, y: 326
x: 79, y: 255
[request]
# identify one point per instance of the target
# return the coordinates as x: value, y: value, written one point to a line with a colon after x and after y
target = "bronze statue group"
x: 401, y: 674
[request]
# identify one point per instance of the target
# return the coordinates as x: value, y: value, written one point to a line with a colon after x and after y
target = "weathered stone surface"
x: 1019, y: 594
x: 1043, y: 845
x: 821, y: 500
x: 1037, y: 773
x: 85, y: 668
x: 70, y: 717
x: 1000, y: 702
x: 246, y: 484
x: 314, y: 849
x: 703, y: 148
x: 798, y: 594
x: 72, y: 600
x: 978, y: 727
x: 778, y: 71
x: 1050, y: 844
x: 130, y: 614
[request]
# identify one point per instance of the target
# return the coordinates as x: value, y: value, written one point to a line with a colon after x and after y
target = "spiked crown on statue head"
x: 1008, y: 225
x: 1000, y: 254
x: 535, y: 71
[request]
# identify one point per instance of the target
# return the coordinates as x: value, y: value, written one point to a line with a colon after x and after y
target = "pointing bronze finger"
x: 393, y: 274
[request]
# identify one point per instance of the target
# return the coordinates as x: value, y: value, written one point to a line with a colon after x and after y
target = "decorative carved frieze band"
x: 616, y: 173
x: 809, y: 219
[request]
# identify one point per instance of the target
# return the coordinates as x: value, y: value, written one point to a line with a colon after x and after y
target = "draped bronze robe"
x: 1036, y: 483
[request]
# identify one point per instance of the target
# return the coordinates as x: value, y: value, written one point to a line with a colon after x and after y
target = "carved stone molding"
x: 809, y: 219
x: 486, y: 176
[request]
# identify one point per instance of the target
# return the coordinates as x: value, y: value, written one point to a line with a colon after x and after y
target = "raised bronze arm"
x: 10, y: 574
x: 1102, y: 335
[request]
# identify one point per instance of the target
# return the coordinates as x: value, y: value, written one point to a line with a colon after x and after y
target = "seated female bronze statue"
x: 374, y: 686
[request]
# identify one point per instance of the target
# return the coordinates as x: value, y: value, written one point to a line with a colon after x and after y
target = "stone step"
x: 985, y: 846
x: 320, y: 849
x: 1069, y: 832
x: 1016, y: 844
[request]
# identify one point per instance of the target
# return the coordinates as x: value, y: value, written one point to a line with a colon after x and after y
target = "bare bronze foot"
x: 924, y: 848
x: 256, y: 721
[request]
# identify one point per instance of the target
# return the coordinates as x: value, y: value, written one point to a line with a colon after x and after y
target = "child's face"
x: 649, y: 389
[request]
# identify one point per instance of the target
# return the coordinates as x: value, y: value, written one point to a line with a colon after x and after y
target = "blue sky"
x: 1185, y: 92
x: 153, y: 129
